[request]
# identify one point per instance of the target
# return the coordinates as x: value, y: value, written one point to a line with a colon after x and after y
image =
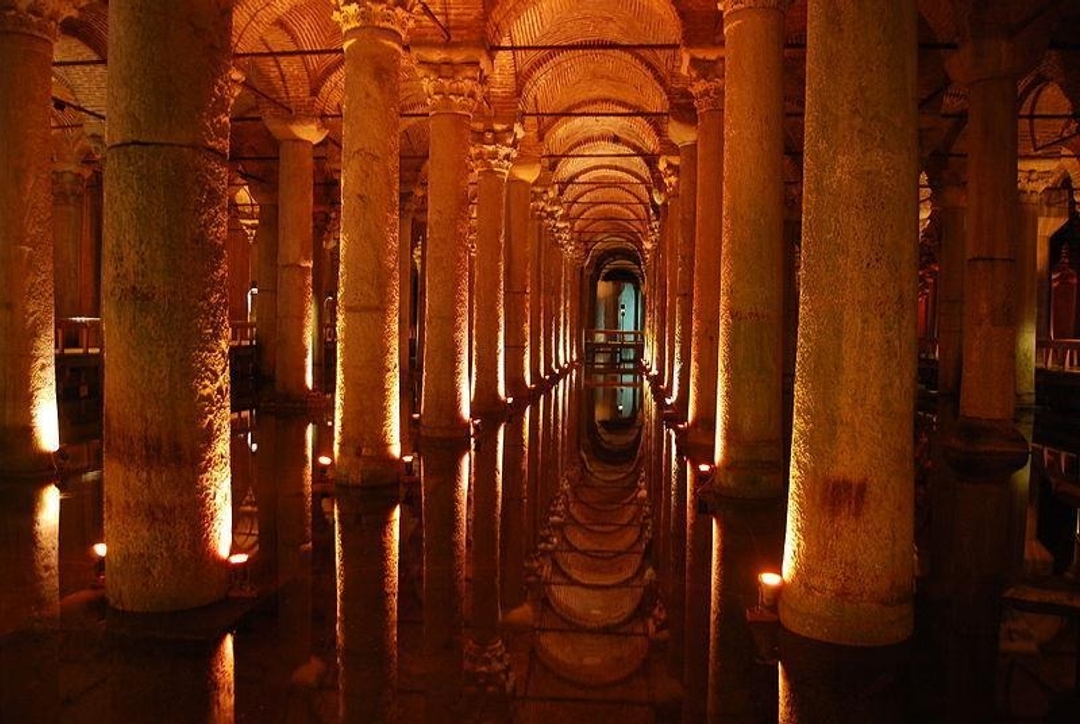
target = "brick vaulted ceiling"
x: 599, y: 113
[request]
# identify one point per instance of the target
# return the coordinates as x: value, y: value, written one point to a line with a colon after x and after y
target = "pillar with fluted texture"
x: 29, y: 430
x: 749, y: 437
x: 852, y: 459
x: 168, y: 511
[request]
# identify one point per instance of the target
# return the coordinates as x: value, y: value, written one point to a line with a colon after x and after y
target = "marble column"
x: 168, y: 521
x: 685, y: 135
x: 405, y: 315
x: 707, y: 86
x: 266, y: 243
x: 453, y: 91
x: 949, y: 198
x: 29, y: 431
x: 848, y: 566
x: 367, y: 443
x: 749, y: 427
x: 985, y: 443
x: 297, y: 136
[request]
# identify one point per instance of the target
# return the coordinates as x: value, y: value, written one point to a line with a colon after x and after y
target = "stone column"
x: 848, y: 556
x: 453, y: 90
x: 168, y: 519
x: 749, y: 429
x: 536, y: 284
x: 69, y: 186
x: 707, y: 87
x: 297, y: 136
x: 685, y: 135
x: 486, y: 660
x: 405, y: 315
x: 1031, y: 238
x: 367, y: 442
x: 985, y: 443
x: 1054, y: 215
x: 29, y: 431
x: 266, y: 243
x: 518, y: 288
x: 708, y: 90
x: 672, y: 234
x: 949, y: 197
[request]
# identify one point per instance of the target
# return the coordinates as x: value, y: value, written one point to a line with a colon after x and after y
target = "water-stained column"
x: 297, y: 136
x: 852, y: 470
x: 168, y: 520
x: 685, y: 135
x: 266, y: 244
x: 749, y: 445
x: 367, y: 440
x: 29, y: 432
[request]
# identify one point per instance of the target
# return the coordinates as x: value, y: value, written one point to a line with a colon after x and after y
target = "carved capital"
x: 393, y: 15
x: 452, y: 87
x: 36, y: 17
x: 487, y: 667
x: 707, y: 85
x: 69, y: 184
x: 295, y: 127
x: 669, y: 173
x: 1031, y: 183
x: 493, y: 150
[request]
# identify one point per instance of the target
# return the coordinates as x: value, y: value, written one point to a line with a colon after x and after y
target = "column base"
x: 985, y: 450
x: 837, y: 620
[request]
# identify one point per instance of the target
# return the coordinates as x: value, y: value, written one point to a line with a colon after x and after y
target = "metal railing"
x: 1058, y: 354
x: 82, y: 335
x: 613, y: 348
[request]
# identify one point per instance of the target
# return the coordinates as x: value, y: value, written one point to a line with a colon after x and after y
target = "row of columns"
x: 847, y: 561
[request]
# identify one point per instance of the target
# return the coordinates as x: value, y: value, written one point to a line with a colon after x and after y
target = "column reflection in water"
x: 676, y: 606
x: 445, y: 482
x: 272, y: 524
x: 29, y: 601
x: 172, y: 681
x: 747, y: 539
x: 514, y: 541
x: 367, y: 521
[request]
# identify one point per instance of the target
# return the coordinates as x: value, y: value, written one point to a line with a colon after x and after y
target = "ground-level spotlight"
x: 325, y: 461
x: 409, y: 461
x: 705, y: 471
x: 769, y: 585
x: 99, y: 550
x: 240, y: 582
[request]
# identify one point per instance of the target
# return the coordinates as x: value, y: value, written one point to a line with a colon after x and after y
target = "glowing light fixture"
x: 99, y: 549
x: 325, y: 461
x: 408, y: 461
x: 769, y: 585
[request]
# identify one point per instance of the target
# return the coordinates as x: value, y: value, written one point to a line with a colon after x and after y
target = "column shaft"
x: 950, y: 290
x: 168, y: 519
x: 266, y: 242
x: 749, y: 449
x: 69, y: 199
x: 29, y: 431
x: 852, y: 458
x: 684, y: 302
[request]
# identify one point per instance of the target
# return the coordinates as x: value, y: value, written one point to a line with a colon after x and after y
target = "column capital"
x: 669, y: 174
x: 706, y: 82
x: 296, y: 127
x: 452, y: 87
x: 69, y: 183
x: 1031, y: 183
x: 493, y: 150
x: 395, y: 16
x: 36, y: 17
